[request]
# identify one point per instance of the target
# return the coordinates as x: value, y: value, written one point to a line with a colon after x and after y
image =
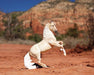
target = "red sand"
x: 11, y: 62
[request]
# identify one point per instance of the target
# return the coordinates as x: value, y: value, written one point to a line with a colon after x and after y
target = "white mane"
x: 47, y: 33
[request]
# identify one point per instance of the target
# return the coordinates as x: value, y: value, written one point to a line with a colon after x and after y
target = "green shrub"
x: 18, y: 32
x: 71, y: 42
x: 60, y: 36
x: 1, y: 33
x: 14, y: 28
x: 35, y: 37
x: 73, y: 32
x: 90, y: 31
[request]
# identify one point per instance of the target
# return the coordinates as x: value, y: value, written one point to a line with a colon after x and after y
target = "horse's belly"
x: 46, y: 47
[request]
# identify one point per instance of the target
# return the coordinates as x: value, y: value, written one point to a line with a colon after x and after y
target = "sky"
x: 8, y: 6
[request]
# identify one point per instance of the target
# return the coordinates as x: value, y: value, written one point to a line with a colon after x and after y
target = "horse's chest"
x: 44, y: 46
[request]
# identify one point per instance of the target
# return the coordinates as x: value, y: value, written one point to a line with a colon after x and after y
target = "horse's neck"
x: 48, y: 34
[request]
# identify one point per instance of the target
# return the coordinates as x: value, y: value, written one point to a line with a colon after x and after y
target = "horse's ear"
x: 47, y: 24
x: 53, y: 23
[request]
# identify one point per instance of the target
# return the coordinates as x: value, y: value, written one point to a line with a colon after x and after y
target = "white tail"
x: 27, y: 62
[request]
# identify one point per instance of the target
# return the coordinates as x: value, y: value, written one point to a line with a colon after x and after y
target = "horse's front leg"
x: 62, y: 48
x: 60, y: 43
x: 56, y: 43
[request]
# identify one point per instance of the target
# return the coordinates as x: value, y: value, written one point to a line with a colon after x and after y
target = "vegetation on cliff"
x: 70, y: 17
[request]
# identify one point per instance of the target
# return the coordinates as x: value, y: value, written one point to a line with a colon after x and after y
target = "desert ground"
x: 11, y: 61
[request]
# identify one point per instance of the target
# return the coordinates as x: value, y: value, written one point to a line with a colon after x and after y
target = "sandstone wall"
x: 64, y: 13
x: 2, y: 27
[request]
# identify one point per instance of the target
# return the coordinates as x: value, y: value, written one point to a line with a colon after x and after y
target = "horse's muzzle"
x: 56, y: 32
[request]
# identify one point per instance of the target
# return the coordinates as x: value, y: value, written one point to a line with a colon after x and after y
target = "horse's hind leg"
x: 39, y: 61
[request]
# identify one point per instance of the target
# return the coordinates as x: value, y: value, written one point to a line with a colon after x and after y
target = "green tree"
x: 14, y: 28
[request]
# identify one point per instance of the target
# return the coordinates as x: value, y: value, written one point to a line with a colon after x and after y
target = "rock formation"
x: 63, y: 12
x: 2, y: 27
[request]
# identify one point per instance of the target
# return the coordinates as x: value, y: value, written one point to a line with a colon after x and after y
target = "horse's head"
x: 52, y: 27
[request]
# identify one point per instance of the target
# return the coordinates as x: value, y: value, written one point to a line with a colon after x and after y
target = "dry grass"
x: 16, y: 41
x: 71, y: 42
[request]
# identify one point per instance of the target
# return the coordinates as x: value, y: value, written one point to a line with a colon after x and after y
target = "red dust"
x: 11, y: 61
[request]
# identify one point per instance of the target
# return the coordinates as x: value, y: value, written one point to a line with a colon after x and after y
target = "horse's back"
x: 41, y: 46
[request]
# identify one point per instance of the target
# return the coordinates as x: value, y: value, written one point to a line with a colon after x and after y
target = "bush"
x: 71, y: 42
x: 60, y: 36
x: 18, y: 32
x: 73, y: 32
x: 1, y: 33
x: 90, y: 31
x: 14, y: 28
x: 35, y: 37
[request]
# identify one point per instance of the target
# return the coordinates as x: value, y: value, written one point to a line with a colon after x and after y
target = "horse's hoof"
x: 44, y: 66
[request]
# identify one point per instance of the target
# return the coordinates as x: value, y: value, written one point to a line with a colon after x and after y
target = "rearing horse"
x: 48, y: 40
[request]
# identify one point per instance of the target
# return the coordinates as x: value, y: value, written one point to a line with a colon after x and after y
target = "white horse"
x: 48, y: 40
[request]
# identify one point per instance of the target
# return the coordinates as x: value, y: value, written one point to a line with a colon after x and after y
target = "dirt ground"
x: 11, y: 62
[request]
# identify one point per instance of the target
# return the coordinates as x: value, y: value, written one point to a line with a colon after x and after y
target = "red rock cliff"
x: 1, y: 23
x: 63, y: 12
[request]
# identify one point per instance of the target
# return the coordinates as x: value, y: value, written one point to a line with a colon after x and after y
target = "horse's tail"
x: 27, y: 62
